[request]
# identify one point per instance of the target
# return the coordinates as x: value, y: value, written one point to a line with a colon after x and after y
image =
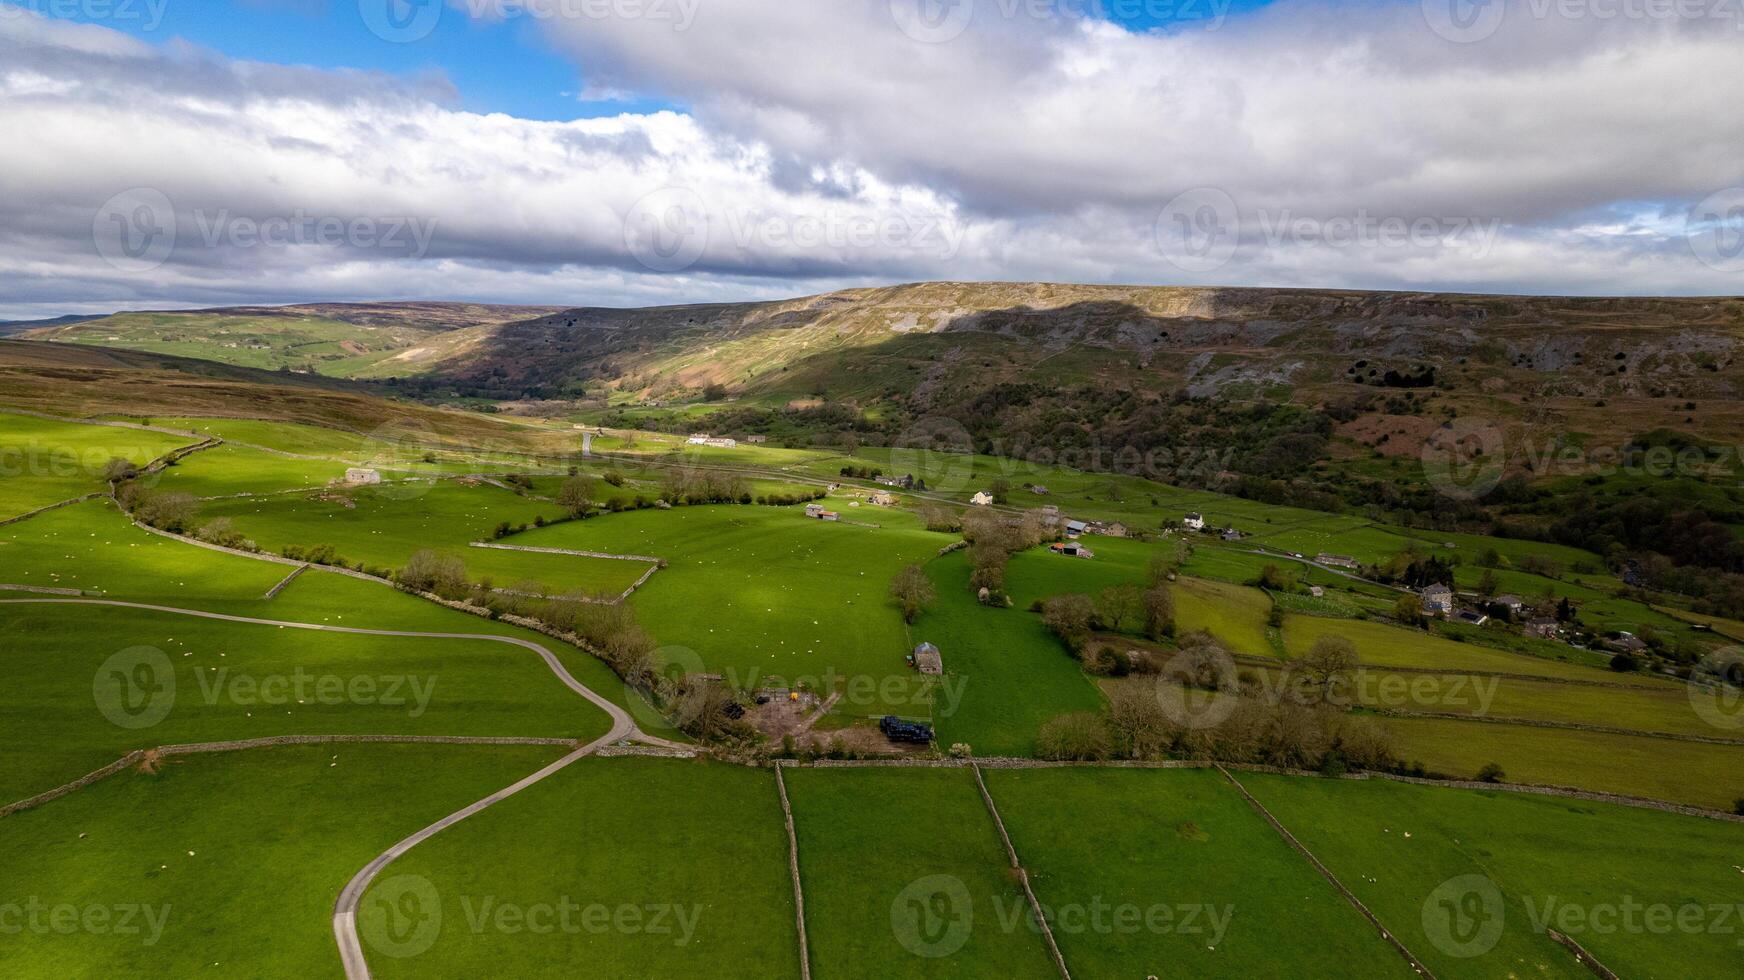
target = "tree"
x: 435, y: 571
x: 913, y: 590
x: 576, y: 496
x: 1409, y: 610
x: 1159, y: 611
x: 1137, y: 719
x: 1488, y: 583
x: 1080, y: 737
x: 1330, y: 663
x: 1491, y: 773
x: 1277, y: 579
x: 119, y: 469
x: 1001, y: 490
x: 174, y: 512
x: 1564, y: 611
x: 1070, y: 617
x: 1118, y: 605
x: 714, y: 391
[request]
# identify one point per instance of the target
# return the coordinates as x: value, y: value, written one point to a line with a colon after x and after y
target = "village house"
x: 982, y: 499
x: 1231, y: 534
x: 1195, y: 522
x: 1437, y: 600
x: 883, y: 498
x: 927, y: 660
x: 1114, y: 529
x: 1336, y: 561
x: 1513, y: 603
x: 359, y: 476
x: 756, y: 440
x: 1628, y: 643
x: 1075, y: 528
x: 1544, y: 629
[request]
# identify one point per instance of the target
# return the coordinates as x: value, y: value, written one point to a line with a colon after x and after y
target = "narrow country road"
x: 345, y: 909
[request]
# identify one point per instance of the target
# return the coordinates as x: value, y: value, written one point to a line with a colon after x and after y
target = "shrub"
x: 1738, y: 807
x: 1491, y: 773
x: 435, y: 571
x: 1079, y: 737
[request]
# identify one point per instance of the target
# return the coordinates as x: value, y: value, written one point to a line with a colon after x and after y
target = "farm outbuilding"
x: 359, y: 476
x: 927, y: 659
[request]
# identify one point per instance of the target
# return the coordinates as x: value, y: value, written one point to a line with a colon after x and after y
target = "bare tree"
x: 1330, y: 665
x: 914, y: 590
x: 577, y: 496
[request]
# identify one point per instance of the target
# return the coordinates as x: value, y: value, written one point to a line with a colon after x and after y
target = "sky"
x: 168, y: 154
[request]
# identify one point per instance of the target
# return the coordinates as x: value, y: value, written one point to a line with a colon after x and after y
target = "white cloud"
x: 825, y: 147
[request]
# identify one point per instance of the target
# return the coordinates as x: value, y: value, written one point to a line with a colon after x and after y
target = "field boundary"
x: 284, y: 583
x: 1331, y: 878
x: 793, y: 870
x: 654, y: 565
x: 1571, y: 726
x: 57, y: 506
x: 1035, y: 905
x: 138, y: 756
x: 1581, y: 955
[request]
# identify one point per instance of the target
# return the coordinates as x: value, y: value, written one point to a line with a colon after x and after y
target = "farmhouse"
x: 1544, y: 629
x: 1231, y: 534
x: 1437, y: 600
x: 1114, y: 529
x: 756, y: 440
x: 707, y: 440
x: 1336, y: 561
x: 358, y: 476
x: 982, y: 499
x: 1513, y: 603
x: 927, y: 660
x: 818, y: 512
x: 1195, y: 521
x: 884, y: 498
x: 1075, y: 528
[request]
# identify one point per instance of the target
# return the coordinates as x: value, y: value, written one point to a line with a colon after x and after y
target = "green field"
x: 1004, y: 671
x: 1381, y: 645
x: 184, y: 680
x: 1174, y: 852
x: 673, y: 868
x: 238, y: 856
x: 905, y: 877
x: 1664, y: 708
x: 384, y: 526
x: 1395, y: 846
x: 44, y: 462
x: 229, y: 470
x: 762, y: 593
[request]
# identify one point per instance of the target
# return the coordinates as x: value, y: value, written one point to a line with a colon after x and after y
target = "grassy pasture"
x: 905, y: 877
x: 1394, y: 845
x: 387, y: 525
x: 763, y: 593
x: 44, y: 462
x: 1185, y: 838
x: 609, y: 834
x: 71, y: 708
x: 1005, y: 673
x: 92, y: 546
x: 1631, y: 765
x: 1663, y: 708
x: 1234, y: 614
x: 240, y: 854
x: 1381, y: 645
x: 226, y: 470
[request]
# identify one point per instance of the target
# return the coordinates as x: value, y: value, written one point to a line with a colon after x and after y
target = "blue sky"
x: 500, y: 66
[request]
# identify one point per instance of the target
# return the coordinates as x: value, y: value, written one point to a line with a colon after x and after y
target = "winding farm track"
x: 345, y: 909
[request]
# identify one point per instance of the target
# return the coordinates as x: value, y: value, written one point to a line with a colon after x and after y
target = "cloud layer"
x: 853, y: 141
